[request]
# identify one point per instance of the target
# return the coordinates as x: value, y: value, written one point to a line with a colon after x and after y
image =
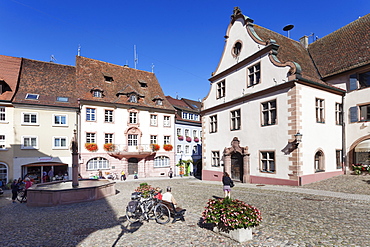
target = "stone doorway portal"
x: 237, y: 167
x: 132, y: 166
x: 236, y: 161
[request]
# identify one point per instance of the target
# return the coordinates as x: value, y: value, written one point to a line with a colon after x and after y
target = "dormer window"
x: 143, y: 84
x: 32, y: 96
x: 4, y: 87
x: 159, y: 102
x: 97, y: 94
x: 108, y: 78
x: 133, y: 98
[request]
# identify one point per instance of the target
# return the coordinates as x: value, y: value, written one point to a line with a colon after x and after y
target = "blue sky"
x: 182, y: 39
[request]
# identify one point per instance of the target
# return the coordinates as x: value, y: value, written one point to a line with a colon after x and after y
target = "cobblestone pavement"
x: 304, y: 216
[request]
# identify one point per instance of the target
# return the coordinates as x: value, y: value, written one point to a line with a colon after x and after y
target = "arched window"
x: 98, y: 163
x: 319, y: 162
x: 161, y: 161
x: 3, y: 174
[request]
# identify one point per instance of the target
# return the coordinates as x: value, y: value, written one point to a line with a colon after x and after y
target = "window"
x: 60, y: 142
x: 235, y: 120
x: 215, y: 158
x: 133, y: 118
x: 159, y: 102
x: 153, y: 120
x: 191, y: 116
x: 108, y: 78
x: 2, y: 114
x: 254, y: 75
x: 178, y: 149
x: 97, y: 93
x: 166, y: 121
x: 213, y: 124
x: 153, y: 139
x: 319, y: 162
x: 186, y: 132
x: 97, y: 164
x: 353, y: 116
x: 237, y: 48
x: 161, y: 161
x: 195, y: 133
x: 90, y: 138
x: 267, y: 161
x: 29, y: 142
x: 187, y: 149
x: 132, y: 140
x: 166, y: 140
x: 133, y: 98
x: 29, y: 118
x: 32, y: 96
x: 320, y: 113
x: 220, y: 90
x: 178, y: 131
x: 269, y: 113
x: 108, y: 138
x: 195, y: 149
x: 365, y: 113
x: 184, y: 115
x: 62, y: 99
x: 60, y: 120
x: 143, y: 83
x: 338, y: 113
x: 2, y: 141
x: 108, y: 116
x: 364, y: 79
x: 90, y: 114
x: 338, y: 156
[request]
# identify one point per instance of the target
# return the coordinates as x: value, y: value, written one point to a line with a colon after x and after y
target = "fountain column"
x: 74, y: 160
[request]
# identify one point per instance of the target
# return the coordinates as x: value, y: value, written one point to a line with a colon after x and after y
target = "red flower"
x: 91, y: 147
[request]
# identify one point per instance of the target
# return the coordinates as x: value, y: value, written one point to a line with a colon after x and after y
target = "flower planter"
x: 239, y: 235
x: 92, y: 147
x: 181, y: 138
x: 196, y: 139
x: 188, y: 139
x: 155, y: 147
x: 109, y: 147
x: 167, y: 147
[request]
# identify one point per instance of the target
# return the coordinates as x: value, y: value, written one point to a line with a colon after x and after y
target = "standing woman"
x: 227, y: 182
x: 15, y: 188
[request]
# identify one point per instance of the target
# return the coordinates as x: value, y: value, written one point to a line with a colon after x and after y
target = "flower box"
x: 155, y: 147
x: 167, y: 147
x: 188, y: 139
x: 240, y: 235
x: 181, y: 138
x: 109, y: 147
x: 196, y: 139
x: 92, y: 147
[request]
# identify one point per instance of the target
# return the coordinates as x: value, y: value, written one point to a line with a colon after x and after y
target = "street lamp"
x: 298, y: 138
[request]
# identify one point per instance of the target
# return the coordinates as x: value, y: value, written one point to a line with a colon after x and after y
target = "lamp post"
x: 298, y: 139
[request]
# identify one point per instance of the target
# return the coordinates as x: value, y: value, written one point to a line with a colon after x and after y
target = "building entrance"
x: 237, y: 166
x: 132, y: 166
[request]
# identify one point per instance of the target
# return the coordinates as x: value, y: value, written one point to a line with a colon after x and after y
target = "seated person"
x: 169, y: 197
x: 158, y: 193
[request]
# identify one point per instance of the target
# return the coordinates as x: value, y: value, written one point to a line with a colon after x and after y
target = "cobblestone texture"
x: 304, y: 216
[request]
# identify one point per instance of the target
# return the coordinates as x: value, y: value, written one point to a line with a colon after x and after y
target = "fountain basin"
x: 60, y: 193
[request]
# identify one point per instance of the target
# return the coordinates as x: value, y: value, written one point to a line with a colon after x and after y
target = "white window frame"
x: 90, y: 114
x: 36, y: 146
x: 179, y: 131
x: 221, y: 90
x: 108, y: 116
x: 268, y: 110
x: 108, y: 138
x: 2, y: 142
x: 320, y: 110
x: 60, y: 124
x: 187, y: 132
x: 338, y: 113
x: 60, y: 139
x: 166, y: 121
x: 153, y: 139
x: 195, y: 132
x: 216, y: 159
x: 254, y: 74
x: 133, y: 117
x: 187, y: 149
x: 235, y: 119
x: 132, y: 140
x: 179, y: 149
x: 2, y: 114
x: 213, y: 124
x: 161, y: 161
x: 195, y: 149
x: 269, y: 161
x: 98, y: 163
x: 90, y: 137
x: 30, y: 117
x: 153, y: 120
x: 166, y: 139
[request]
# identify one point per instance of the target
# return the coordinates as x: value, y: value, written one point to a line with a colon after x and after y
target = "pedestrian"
x: 44, y: 176
x: 170, y: 173
x: 100, y: 173
x: 51, y: 175
x: 169, y: 197
x: 28, y: 184
x: 228, y: 184
x: 135, y: 175
x: 123, y: 175
x: 15, y: 188
x: 158, y: 193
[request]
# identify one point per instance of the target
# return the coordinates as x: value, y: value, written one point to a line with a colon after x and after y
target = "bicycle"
x: 22, y: 195
x: 140, y: 208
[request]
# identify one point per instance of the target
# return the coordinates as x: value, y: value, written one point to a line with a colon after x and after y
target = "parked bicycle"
x: 22, y: 195
x: 150, y: 208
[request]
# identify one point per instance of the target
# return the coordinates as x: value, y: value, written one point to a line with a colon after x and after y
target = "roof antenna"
x: 152, y: 68
x: 288, y: 28
x: 136, y: 57
x: 79, y: 50
x: 52, y: 59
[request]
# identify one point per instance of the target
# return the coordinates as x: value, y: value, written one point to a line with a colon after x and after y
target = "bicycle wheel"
x: 135, y: 216
x: 162, y: 214
x: 21, y: 196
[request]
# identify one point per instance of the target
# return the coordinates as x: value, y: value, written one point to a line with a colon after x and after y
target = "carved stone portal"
x: 236, y: 161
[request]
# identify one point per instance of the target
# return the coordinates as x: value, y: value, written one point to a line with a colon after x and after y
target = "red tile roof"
x: 9, y: 71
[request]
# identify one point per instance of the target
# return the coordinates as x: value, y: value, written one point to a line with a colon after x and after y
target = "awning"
x: 46, y: 164
x: 363, y: 146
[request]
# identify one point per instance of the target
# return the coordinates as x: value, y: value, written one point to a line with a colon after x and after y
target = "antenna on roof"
x: 288, y: 28
x: 152, y: 68
x: 136, y: 57
x: 52, y: 59
x: 79, y: 50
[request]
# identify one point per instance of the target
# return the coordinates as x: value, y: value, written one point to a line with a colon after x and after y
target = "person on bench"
x: 169, y: 197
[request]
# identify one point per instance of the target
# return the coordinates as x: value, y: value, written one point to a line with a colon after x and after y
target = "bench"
x: 176, y: 212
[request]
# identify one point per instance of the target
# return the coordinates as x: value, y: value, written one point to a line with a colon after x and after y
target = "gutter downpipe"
x: 344, y: 154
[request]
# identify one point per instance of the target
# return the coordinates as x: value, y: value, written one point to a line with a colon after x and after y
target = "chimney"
x: 304, y: 41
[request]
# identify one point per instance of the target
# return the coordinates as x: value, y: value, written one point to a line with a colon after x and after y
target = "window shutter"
x: 353, y: 114
x: 353, y: 82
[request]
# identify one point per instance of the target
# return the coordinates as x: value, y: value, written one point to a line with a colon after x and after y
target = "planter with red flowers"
x: 196, y: 139
x: 92, y: 147
x: 109, y: 147
x: 167, y: 147
x: 180, y: 137
x: 188, y: 139
x: 155, y: 147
